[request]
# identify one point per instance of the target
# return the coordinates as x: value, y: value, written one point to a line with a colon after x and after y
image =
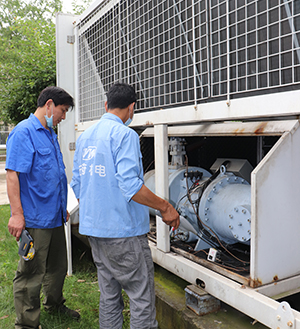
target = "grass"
x: 80, y: 290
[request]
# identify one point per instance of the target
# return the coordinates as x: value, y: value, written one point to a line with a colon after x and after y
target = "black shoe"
x: 63, y: 309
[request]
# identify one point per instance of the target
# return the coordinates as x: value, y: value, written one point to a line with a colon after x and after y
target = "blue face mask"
x: 49, y: 121
x: 128, y: 122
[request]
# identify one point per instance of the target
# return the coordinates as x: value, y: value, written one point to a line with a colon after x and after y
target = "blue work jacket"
x: 34, y: 153
x: 107, y: 172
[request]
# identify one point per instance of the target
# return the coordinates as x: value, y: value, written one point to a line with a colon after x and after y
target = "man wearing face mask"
x: 108, y: 181
x: 37, y: 191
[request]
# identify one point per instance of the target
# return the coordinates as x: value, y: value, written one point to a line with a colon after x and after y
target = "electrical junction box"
x: 239, y: 167
x: 212, y: 254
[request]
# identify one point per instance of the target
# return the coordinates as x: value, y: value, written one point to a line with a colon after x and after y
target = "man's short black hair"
x: 120, y: 95
x: 57, y: 94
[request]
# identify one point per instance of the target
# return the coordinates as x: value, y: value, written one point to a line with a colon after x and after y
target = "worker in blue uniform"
x: 108, y: 181
x: 37, y: 191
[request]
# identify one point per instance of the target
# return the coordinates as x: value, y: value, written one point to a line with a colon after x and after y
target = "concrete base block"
x: 173, y: 313
x: 200, y: 301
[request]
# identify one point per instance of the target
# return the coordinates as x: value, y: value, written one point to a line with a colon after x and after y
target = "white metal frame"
x: 251, y: 301
x: 66, y: 132
x: 269, y: 312
x: 259, y: 107
x: 275, y: 191
x: 162, y: 190
x: 263, y: 262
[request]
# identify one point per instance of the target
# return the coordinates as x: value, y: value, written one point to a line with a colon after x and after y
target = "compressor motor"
x: 215, y: 208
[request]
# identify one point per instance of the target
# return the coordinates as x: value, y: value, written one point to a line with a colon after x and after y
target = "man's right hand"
x: 16, y: 225
x: 16, y: 222
x: 170, y: 216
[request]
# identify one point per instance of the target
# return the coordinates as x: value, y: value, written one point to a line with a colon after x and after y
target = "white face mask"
x: 49, y: 121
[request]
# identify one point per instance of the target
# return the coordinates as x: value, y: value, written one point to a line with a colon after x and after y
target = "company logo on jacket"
x: 89, y: 153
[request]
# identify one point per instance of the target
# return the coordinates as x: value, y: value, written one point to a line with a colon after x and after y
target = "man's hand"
x: 16, y: 222
x: 16, y: 225
x: 68, y: 216
x: 170, y: 216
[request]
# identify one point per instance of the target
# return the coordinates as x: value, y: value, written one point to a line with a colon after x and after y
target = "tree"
x: 27, y: 55
x: 80, y: 7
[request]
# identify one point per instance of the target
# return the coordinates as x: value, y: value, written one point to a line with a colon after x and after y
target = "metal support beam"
x: 265, y: 310
x: 161, y: 145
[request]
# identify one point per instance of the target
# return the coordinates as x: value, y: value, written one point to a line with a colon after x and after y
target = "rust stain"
x: 260, y: 129
x: 148, y: 123
x: 238, y: 131
x: 255, y: 283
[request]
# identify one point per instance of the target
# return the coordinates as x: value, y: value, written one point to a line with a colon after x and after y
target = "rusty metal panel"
x: 260, y: 128
x: 275, y: 227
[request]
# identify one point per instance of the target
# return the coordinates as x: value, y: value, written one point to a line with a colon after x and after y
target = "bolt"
x: 243, y: 211
x: 236, y: 236
x: 220, y: 183
x: 231, y: 227
x: 206, y: 209
x: 235, y: 178
x: 214, y: 190
x: 243, y: 238
x: 206, y: 219
x: 278, y: 317
x: 236, y: 209
x: 249, y: 231
x: 209, y: 199
x: 230, y: 216
x: 249, y: 220
x: 290, y: 324
x: 240, y: 224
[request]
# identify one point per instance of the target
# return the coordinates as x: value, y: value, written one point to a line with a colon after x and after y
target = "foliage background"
x: 27, y: 53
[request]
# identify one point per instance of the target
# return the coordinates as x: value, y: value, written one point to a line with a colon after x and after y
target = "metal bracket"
x: 71, y: 39
x: 285, y: 317
x: 72, y: 146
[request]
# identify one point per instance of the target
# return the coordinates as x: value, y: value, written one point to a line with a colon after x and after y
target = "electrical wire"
x: 151, y: 163
x: 193, y: 189
x: 226, y: 266
x: 202, y: 223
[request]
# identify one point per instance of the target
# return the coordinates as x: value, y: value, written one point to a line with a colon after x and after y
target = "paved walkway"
x: 3, y: 194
